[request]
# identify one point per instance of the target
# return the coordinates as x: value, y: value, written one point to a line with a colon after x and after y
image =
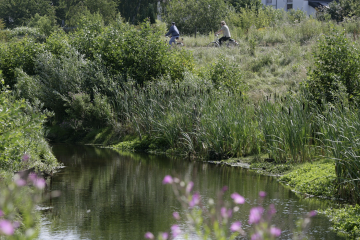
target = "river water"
x: 111, y: 195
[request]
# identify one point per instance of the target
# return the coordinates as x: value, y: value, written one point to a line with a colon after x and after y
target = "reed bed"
x: 196, y: 119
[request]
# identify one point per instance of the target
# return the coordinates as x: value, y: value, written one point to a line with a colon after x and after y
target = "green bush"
x: 226, y: 74
x: 336, y: 69
x: 21, y: 133
x: 18, y: 54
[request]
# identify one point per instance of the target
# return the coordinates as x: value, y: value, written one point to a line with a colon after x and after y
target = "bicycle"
x: 229, y: 43
x: 177, y: 42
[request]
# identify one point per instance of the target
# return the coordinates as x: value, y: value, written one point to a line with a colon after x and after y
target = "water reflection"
x: 110, y: 195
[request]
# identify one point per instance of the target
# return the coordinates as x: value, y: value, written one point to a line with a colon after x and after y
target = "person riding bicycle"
x: 226, y: 32
x: 174, y: 33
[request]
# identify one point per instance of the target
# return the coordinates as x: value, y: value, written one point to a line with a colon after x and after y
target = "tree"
x: 72, y: 10
x: 338, y: 10
x: 106, y: 8
x: 135, y: 11
x: 18, y: 12
x: 202, y: 15
x: 238, y: 4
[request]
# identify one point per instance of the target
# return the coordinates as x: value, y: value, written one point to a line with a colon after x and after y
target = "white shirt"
x: 225, y: 30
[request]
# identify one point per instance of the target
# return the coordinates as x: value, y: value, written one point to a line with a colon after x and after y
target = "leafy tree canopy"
x: 202, y: 15
x: 18, y: 12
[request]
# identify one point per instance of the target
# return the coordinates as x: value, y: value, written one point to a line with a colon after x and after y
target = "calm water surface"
x: 111, y: 195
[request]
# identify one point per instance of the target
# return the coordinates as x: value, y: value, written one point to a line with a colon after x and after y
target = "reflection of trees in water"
x: 126, y: 198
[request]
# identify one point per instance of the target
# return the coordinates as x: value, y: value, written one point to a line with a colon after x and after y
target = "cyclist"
x: 174, y: 33
x: 226, y: 32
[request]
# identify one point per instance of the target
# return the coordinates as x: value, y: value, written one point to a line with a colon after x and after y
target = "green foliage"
x: 315, y: 178
x: 336, y: 69
x: 271, y: 168
x: 226, y: 74
x: 21, y: 133
x: 2, y: 24
x: 45, y: 24
x: 18, y: 12
x: 238, y: 4
x: 84, y: 112
x: 136, y: 12
x: 19, y: 54
x: 346, y: 220
x: 295, y: 16
x: 17, y: 205
x: 133, y: 53
x: 339, y: 10
x: 204, y: 15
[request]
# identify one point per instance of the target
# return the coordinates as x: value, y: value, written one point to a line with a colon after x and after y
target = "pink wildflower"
x: 312, y: 213
x: 165, y: 236
x: 262, y: 194
x: 6, y: 227
x: 275, y: 231
x: 175, y: 229
x: 149, y: 235
x: 255, y: 215
x: 189, y: 187
x: 238, y: 199
x: 26, y: 157
x: 176, y: 215
x: 39, y: 183
x: 167, y: 180
x: 235, y: 227
x: 195, y: 200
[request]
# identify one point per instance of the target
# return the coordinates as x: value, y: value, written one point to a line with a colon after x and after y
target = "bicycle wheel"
x: 213, y: 44
x: 232, y: 44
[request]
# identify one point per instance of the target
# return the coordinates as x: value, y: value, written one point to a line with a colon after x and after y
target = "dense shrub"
x: 18, y: 54
x: 21, y: 133
x: 336, y: 69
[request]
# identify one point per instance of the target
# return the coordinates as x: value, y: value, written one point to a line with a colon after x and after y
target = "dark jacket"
x: 173, y: 31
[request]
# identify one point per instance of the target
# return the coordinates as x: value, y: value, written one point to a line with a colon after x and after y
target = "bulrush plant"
x: 340, y: 133
x: 288, y: 128
x: 217, y: 220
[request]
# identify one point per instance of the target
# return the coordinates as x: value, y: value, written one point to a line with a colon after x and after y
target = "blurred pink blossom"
x: 39, y: 183
x: 189, y: 187
x: 275, y: 231
x: 238, y: 199
x: 26, y: 157
x: 167, y: 180
x: 312, y: 213
x: 256, y: 236
x: 165, y: 236
x: 176, y: 215
x: 1, y: 213
x: 271, y: 210
x: 149, y: 235
x: 262, y: 194
x: 235, y: 227
x: 225, y: 213
x: 175, y: 229
x: 6, y: 227
x: 195, y: 200
x: 20, y: 182
x: 255, y: 215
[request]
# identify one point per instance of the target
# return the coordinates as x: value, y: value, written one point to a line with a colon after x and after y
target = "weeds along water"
x: 216, y: 124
